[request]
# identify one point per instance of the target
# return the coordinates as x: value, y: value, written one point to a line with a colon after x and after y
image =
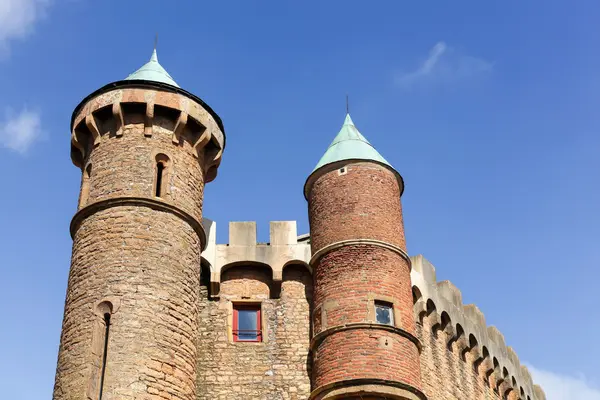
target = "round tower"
x: 363, y: 344
x: 146, y: 148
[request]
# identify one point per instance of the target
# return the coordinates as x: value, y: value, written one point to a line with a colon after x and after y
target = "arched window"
x: 161, y: 175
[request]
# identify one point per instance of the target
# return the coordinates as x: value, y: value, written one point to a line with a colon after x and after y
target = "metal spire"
x: 347, y: 106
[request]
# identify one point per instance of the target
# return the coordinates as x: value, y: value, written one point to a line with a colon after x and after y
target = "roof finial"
x: 154, y: 55
x: 347, y: 106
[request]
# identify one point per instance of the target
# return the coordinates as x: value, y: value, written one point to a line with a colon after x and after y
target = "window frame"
x: 384, y: 304
x: 235, y: 323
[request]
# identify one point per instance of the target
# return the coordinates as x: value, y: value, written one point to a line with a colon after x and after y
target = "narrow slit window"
x: 85, y: 186
x: 384, y: 313
x: 247, y: 323
x: 104, y: 353
x: 160, y: 170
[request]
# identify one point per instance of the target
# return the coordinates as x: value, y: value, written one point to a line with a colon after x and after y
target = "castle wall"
x: 461, y: 358
x: 277, y: 367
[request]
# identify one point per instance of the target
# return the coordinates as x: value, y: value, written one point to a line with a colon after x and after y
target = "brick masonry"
x: 362, y: 202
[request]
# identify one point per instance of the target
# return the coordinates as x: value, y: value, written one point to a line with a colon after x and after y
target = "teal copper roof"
x: 349, y: 144
x: 152, y: 71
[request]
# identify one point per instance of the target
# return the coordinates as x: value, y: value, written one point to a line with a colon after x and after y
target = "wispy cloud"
x: 564, y: 387
x: 19, y: 131
x: 17, y: 19
x: 444, y: 63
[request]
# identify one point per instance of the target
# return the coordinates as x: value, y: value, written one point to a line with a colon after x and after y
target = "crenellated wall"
x: 460, y: 352
x: 274, y: 275
x: 461, y: 357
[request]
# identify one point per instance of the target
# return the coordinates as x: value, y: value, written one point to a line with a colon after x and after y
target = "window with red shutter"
x: 247, y: 323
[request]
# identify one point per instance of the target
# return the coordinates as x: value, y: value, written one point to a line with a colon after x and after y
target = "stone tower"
x: 146, y: 148
x: 363, y: 343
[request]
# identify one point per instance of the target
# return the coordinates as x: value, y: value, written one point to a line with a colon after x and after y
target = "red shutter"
x: 258, y: 326
x: 235, y: 324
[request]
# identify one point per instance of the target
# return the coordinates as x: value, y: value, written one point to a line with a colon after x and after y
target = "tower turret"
x: 146, y: 148
x: 363, y: 343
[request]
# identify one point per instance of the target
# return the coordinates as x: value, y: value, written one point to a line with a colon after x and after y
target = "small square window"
x: 247, y: 323
x: 342, y: 171
x: 384, y: 313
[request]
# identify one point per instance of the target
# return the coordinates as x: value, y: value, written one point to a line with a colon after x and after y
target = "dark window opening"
x: 104, y: 353
x: 247, y: 323
x: 160, y: 169
x: 384, y: 313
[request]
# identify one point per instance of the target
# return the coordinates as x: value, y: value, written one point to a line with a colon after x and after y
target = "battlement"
x: 442, y: 302
x: 439, y: 301
x: 284, y: 248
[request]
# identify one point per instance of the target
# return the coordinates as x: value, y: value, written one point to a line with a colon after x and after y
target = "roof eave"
x: 332, y: 166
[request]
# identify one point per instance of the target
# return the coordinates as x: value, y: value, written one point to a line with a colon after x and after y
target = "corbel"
x: 117, y: 112
x: 479, y: 359
x: 455, y: 337
x: 91, y: 125
x: 202, y: 141
x: 149, y: 119
x: 436, y: 321
x: 75, y: 142
x: 463, y: 345
x: 420, y: 310
x: 182, y: 121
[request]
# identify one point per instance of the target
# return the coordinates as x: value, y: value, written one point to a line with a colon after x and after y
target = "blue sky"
x: 488, y: 110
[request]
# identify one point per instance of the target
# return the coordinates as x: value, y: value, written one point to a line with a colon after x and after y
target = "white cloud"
x: 444, y: 63
x: 564, y: 387
x: 19, y: 132
x: 18, y: 17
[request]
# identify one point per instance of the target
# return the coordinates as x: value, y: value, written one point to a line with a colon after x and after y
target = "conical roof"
x: 153, y: 71
x: 349, y: 144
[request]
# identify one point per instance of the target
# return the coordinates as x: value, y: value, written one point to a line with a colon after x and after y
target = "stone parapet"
x: 443, y: 301
x: 283, y: 249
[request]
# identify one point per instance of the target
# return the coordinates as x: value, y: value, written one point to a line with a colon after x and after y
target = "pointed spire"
x: 350, y: 144
x: 153, y: 71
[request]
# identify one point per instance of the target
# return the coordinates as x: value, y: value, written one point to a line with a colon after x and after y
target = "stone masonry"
x: 154, y: 307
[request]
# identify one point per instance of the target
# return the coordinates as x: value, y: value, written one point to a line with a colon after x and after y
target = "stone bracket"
x: 91, y: 124
x: 117, y: 112
x: 149, y: 119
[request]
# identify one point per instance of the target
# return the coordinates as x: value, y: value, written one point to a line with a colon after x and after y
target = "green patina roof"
x: 349, y: 144
x: 152, y: 71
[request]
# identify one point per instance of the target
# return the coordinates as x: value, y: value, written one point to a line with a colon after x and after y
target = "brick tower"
x: 363, y: 344
x: 146, y: 148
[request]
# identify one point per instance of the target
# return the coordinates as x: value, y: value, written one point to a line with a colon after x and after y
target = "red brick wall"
x: 363, y: 203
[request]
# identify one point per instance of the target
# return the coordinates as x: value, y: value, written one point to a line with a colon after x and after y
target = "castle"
x: 156, y: 309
